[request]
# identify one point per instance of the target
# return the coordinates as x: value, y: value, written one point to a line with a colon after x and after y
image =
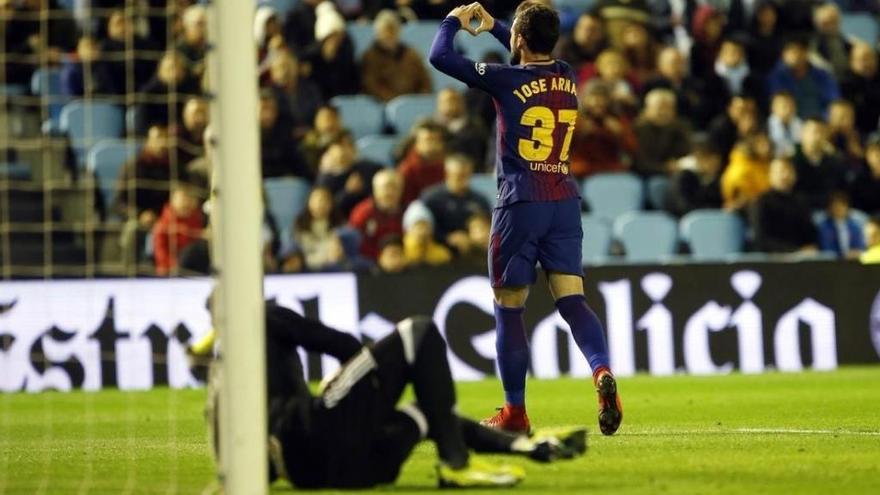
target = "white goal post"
x: 236, y: 219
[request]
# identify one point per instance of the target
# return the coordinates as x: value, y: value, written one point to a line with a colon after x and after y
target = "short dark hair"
x: 875, y: 220
x: 538, y: 25
x: 838, y: 196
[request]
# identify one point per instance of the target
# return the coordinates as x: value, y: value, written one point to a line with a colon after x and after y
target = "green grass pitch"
x: 775, y: 433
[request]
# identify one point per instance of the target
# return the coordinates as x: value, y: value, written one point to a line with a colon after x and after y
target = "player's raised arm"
x: 496, y: 28
x: 443, y: 55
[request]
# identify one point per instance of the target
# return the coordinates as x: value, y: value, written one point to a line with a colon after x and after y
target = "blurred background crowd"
x: 756, y: 119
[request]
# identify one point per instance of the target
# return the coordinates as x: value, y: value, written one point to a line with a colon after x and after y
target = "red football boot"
x: 509, y: 418
x: 610, y: 408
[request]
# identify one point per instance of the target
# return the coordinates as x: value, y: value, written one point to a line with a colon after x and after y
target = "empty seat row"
x: 364, y: 115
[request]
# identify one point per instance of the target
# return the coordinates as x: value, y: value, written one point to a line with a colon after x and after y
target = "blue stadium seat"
x: 477, y: 47
x: 574, y: 5
x: 442, y: 81
x: 402, y: 112
x: 419, y: 35
x: 859, y: 216
x: 86, y: 123
x: 106, y: 159
x: 286, y: 198
x: 280, y: 6
x: 485, y: 185
x: 12, y: 90
x: 15, y: 171
x: 377, y: 149
x: 597, y: 239
x: 712, y: 234
x: 657, y: 191
x: 648, y: 236
x: 861, y: 26
x: 46, y: 83
x: 610, y: 195
x: 362, y: 37
x: 361, y: 114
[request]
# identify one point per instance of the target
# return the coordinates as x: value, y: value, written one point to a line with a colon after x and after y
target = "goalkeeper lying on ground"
x: 354, y: 435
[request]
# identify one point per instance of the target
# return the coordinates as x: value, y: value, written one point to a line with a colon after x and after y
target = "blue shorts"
x: 527, y: 233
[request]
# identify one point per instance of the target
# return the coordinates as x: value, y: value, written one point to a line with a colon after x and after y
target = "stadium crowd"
x: 759, y: 107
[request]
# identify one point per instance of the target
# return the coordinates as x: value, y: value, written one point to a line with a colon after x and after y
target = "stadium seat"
x: 86, y: 123
x: 574, y: 5
x: 712, y: 234
x: 15, y: 171
x: 485, y: 185
x: 648, y: 236
x: 404, y: 111
x: 280, y: 6
x: 477, y: 47
x: 11, y: 90
x: 105, y: 160
x: 377, y: 149
x: 597, y: 239
x: 46, y: 83
x: 419, y: 35
x: 861, y: 26
x: 859, y: 216
x: 362, y: 37
x: 286, y: 198
x: 610, y: 195
x: 361, y: 114
x: 657, y: 191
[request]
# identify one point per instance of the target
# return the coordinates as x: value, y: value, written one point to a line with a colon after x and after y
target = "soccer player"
x: 353, y: 435
x: 537, y: 217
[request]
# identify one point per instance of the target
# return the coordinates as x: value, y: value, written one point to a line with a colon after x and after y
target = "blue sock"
x: 586, y: 329
x: 513, y: 353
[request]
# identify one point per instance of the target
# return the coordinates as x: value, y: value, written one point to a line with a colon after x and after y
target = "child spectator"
x: 872, y: 240
x: 603, y: 141
x: 314, y: 232
x: 732, y: 67
x: 391, y: 257
x: 781, y: 220
x: 839, y: 233
x: 419, y: 245
x: 747, y: 176
x: 784, y: 125
x: 697, y: 184
x: 477, y: 255
x: 865, y: 188
x: 180, y: 224
x: 423, y: 166
x: 380, y: 215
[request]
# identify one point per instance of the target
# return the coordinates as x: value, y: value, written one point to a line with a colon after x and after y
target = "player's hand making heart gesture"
x: 466, y: 13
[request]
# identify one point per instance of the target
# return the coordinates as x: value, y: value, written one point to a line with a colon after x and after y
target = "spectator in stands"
x: 391, y: 258
x: 698, y: 100
x: 193, y: 44
x: 842, y: 133
x: 765, y: 39
x: 819, y: 169
x: 391, y: 68
x: 662, y: 137
x: 860, y: 84
x: 618, y: 14
x: 298, y: 98
x: 781, y: 220
x: 279, y: 153
x: 865, y: 187
x: 872, y: 241
x: 697, y: 184
x: 27, y: 45
x: 813, y: 88
x: 314, y: 231
x: 585, y: 43
x: 299, y: 25
x: 190, y: 136
x: 293, y: 260
x: 122, y: 44
x: 327, y: 127
x: 454, y: 202
x: 640, y: 51
x: 268, y: 37
x: 332, y: 55
x: 784, y: 125
x: 731, y: 66
x: 422, y: 165
x: 165, y: 93
x: 707, y: 30
x: 380, y: 215
x: 839, y: 233
x: 465, y: 134
x: 828, y: 41
x: 476, y: 257
x: 84, y: 74
x: 747, y: 176
x: 348, y: 178
x: 672, y: 20
x: 419, y: 246
x: 740, y: 120
x: 603, y: 140
x: 142, y: 190
x: 180, y: 224
x: 613, y: 69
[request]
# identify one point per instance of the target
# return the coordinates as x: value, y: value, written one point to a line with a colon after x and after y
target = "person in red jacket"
x: 380, y: 215
x: 422, y: 166
x: 180, y: 224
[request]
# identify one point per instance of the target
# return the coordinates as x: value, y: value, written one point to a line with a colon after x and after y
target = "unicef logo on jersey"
x: 875, y: 324
x: 481, y: 68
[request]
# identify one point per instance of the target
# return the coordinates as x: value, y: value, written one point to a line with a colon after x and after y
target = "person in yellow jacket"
x: 748, y: 173
x: 419, y: 246
x: 872, y: 241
